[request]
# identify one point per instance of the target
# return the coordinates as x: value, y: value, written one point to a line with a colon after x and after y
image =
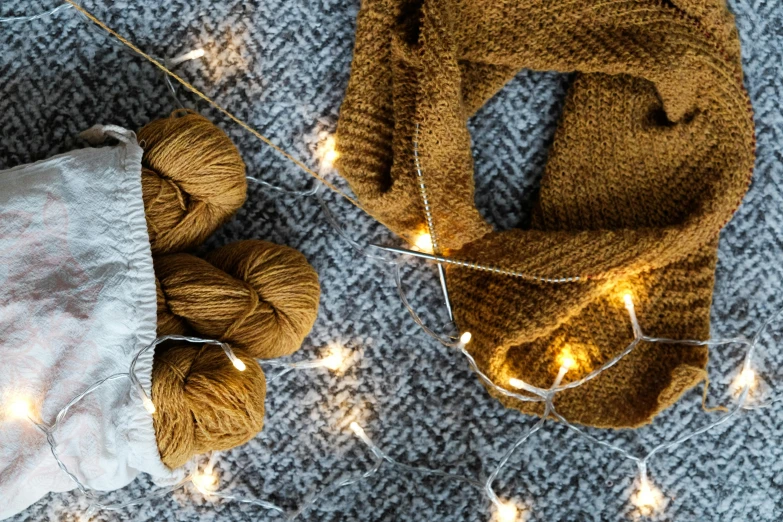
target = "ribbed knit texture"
x: 653, y: 153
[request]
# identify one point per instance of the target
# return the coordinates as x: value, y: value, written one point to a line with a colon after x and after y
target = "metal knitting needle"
x: 414, y: 253
x: 445, y: 290
x: 441, y: 272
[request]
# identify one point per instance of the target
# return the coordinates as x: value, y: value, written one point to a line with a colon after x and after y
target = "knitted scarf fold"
x: 653, y: 154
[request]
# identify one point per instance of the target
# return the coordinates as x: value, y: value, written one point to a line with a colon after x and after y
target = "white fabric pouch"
x: 77, y: 305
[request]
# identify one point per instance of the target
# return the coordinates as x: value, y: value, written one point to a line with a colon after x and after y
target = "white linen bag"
x: 77, y: 304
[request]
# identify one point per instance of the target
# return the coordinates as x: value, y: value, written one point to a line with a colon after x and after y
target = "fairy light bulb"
x: 359, y: 432
x: 335, y: 357
x: 148, y: 405
x: 517, y: 383
x: 333, y: 361
x: 566, y: 359
x: 465, y: 338
x: 648, y: 498
x: 645, y: 497
x: 506, y: 511
x: 629, y: 306
x: 745, y: 379
x: 205, y: 483
x: 236, y: 361
x: 329, y: 152
x: 20, y: 409
x: 423, y: 242
x: 195, y: 54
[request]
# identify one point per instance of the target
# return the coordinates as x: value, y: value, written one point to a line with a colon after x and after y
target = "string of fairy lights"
x: 648, y: 498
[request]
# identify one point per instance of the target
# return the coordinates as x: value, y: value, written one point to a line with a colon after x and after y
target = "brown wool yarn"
x: 168, y: 323
x: 193, y: 180
x: 255, y: 295
x: 259, y: 297
x: 653, y: 153
x: 202, y: 402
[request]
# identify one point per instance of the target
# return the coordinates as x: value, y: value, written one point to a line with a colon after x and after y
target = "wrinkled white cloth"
x: 77, y: 304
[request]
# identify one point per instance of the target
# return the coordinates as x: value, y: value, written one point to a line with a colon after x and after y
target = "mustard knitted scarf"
x: 652, y: 155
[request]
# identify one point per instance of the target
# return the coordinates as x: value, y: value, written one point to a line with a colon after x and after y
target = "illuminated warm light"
x: 205, y: 483
x: 517, y: 383
x: 506, y: 512
x: 236, y: 361
x: 20, y: 409
x: 148, y: 405
x: 465, y: 338
x: 628, y: 299
x: 423, y: 242
x: 359, y: 432
x: 357, y: 429
x: 335, y: 358
x: 566, y: 359
x: 328, y: 152
x: 192, y: 55
x: 746, y: 378
x: 648, y: 498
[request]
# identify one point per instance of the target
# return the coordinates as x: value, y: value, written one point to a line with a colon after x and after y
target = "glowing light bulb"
x: 205, y: 483
x: 328, y: 152
x: 149, y: 405
x: 517, y: 383
x: 357, y: 429
x: 506, y: 512
x: 236, y: 361
x: 746, y: 378
x: 648, y: 498
x: 335, y: 358
x: 566, y: 359
x: 195, y: 54
x: 465, y: 338
x: 628, y: 299
x: 333, y: 361
x: 423, y: 242
x: 20, y: 409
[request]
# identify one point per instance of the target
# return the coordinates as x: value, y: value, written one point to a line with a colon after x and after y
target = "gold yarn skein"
x: 193, y: 180
x: 255, y: 295
x: 203, y: 403
x: 167, y: 321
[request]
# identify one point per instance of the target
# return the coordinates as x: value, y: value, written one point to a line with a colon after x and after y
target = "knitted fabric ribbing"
x: 653, y: 153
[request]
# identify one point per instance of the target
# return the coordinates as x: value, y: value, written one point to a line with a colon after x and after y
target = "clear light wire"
x: 293, y: 193
x: 20, y: 19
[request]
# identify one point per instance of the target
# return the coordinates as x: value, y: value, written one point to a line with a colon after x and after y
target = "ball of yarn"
x: 193, y: 180
x: 203, y: 403
x: 254, y: 295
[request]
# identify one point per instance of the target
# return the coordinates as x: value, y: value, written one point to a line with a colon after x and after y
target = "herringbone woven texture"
x: 284, y: 66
